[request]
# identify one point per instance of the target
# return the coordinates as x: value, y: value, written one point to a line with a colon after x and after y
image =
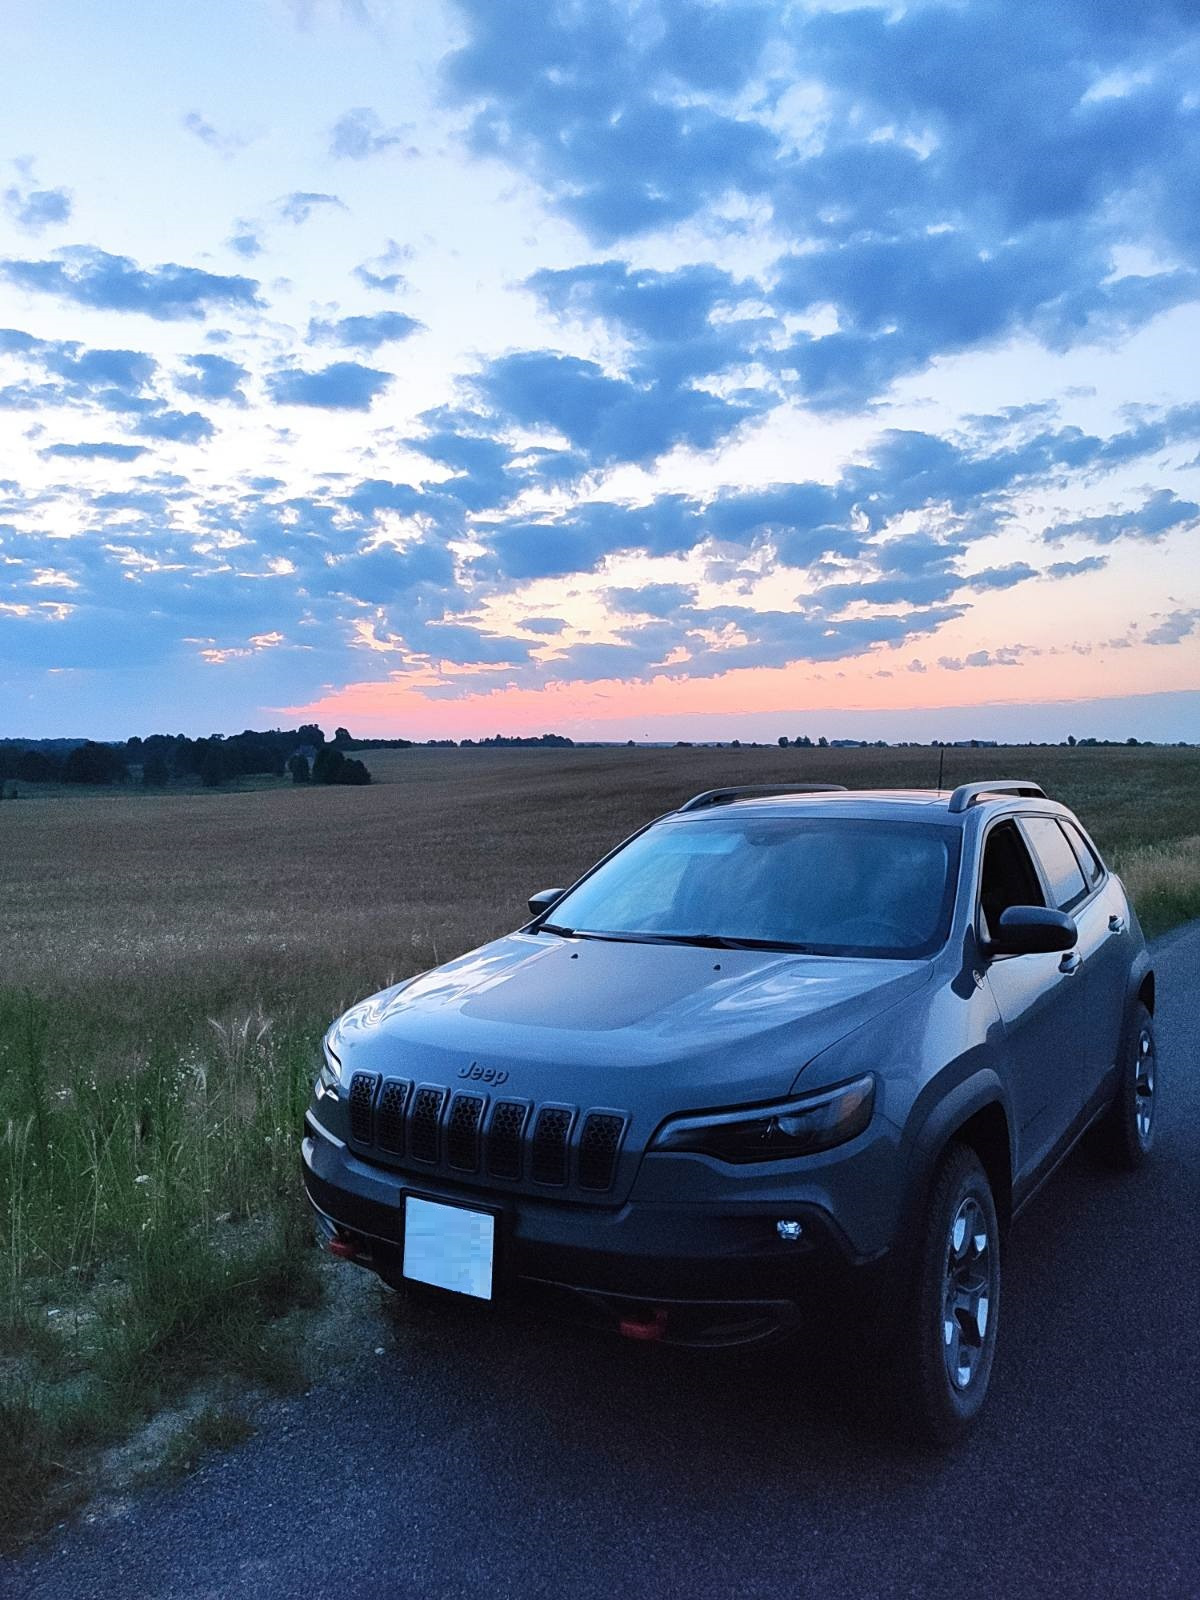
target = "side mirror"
x: 543, y: 900
x: 1033, y: 930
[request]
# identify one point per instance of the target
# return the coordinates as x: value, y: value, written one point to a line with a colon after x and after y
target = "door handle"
x: 1071, y: 962
x: 1116, y: 924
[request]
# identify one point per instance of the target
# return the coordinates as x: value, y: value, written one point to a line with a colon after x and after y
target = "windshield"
x: 821, y: 884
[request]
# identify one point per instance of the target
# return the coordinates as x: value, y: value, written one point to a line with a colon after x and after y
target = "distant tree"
x: 327, y: 764
x: 309, y: 733
x: 803, y: 742
x: 822, y: 743
x: 1071, y: 740
x: 94, y: 763
x: 35, y: 766
x: 629, y: 744
x: 155, y: 774
x: 342, y: 736
x: 1131, y: 741
x: 353, y: 771
x: 299, y: 769
x: 735, y: 744
x: 214, y: 765
x: 783, y: 741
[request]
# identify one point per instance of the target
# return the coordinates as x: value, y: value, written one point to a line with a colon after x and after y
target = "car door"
x: 1105, y: 945
x: 1039, y: 1001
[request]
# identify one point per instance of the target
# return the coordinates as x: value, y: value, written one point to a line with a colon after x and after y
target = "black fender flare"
x: 933, y: 1129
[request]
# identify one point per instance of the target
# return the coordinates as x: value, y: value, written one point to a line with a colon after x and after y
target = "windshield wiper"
x: 722, y: 941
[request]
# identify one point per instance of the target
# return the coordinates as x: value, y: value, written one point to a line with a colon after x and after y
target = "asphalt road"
x: 515, y: 1459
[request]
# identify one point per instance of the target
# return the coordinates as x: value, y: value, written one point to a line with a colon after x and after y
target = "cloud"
x: 100, y: 451
x: 363, y: 332
x: 1162, y: 513
x: 177, y: 427
x: 298, y: 206
x: 609, y: 418
x: 359, y: 133
x: 577, y: 96
x: 1072, y: 569
x: 87, y: 276
x: 246, y: 239
x: 213, y: 378
x: 342, y: 386
x: 653, y: 599
x: 34, y: 210
x: 225, y: 144
x: 380, y: 273
x: 917, y: 241
x: 1174, y: 628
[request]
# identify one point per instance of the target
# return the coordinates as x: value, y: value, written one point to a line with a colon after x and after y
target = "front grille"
x: 548, y: 1163
x: 462, y: 1131
x: 389, y: 1116
x: 362, y: 1095
x: 466, y: 1132
x: 504, y: 1139
x: 598, y: 1145
x: 426, y: 1114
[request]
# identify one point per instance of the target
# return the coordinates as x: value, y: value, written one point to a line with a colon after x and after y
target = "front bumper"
x: 706, y: 1273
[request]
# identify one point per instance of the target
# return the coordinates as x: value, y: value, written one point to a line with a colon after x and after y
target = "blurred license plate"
x: 449, y: 1247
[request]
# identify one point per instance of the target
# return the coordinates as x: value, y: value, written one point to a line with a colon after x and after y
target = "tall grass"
x: 152, y: 1216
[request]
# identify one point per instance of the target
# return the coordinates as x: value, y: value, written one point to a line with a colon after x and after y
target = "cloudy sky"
x: 625, y: 368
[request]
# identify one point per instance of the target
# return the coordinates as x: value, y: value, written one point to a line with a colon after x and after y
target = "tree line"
x: 163, y: 759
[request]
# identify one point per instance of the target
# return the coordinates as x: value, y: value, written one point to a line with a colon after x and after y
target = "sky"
x: 643, y: 369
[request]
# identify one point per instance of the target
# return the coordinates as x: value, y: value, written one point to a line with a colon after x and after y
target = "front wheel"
x: 1126, y: 1131
x: 947, y: 1338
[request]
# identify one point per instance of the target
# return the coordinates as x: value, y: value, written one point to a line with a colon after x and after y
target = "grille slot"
x: 599, y: 1143
x: 504, y: 1139
x: 389, y: 1115
x: 423, y: 1125
x: 362, y: 1096
x: 462, y: 1131
x: 548, y: 1161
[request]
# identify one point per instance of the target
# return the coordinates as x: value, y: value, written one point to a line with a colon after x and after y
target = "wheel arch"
x: 973, y: 1113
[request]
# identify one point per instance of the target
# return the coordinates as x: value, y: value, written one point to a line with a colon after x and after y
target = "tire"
x: 1125, y: 1134
x: 946, y: 1331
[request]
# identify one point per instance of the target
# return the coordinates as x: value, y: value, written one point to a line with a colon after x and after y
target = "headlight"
x: 771, y: 1133
x: 329, y: 1078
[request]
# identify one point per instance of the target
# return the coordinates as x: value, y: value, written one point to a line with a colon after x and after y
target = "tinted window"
x: 1008, y: 878
x: 1093, y: 867
x: 1063, y: 874
x: 832, y: 887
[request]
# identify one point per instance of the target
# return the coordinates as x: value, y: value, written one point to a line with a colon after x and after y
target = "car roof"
x: 899, y: 805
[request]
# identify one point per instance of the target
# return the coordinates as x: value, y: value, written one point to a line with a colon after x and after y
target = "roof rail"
x: 722, y: 797
x: 969, y: 794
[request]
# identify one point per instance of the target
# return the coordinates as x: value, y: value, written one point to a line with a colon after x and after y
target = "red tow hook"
x: 631, y: 1328
x: 344, y: 1248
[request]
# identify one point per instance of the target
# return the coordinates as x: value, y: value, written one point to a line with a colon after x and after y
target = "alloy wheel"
x: 967, y: 1293
x: 1143, y: 1085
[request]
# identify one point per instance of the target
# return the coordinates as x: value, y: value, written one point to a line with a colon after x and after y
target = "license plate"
x: 449, y: 1247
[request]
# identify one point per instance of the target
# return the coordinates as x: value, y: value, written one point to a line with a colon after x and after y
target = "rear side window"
x: 1063, y: 873
x: 1093, y: 867
x: 1008, y: 875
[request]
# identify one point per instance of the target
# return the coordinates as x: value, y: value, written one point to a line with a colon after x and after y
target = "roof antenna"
x: 941, y: 764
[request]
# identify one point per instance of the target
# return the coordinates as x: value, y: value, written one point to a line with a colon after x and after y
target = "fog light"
x: 791, y: 1231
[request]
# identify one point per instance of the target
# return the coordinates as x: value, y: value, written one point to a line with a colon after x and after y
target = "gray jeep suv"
x: 782, y: 1050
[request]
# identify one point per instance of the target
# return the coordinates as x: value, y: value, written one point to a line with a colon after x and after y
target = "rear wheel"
x: 1126, y: 1132
x: 947, y: 1335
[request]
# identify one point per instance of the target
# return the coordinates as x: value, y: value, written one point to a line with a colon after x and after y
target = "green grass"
x: 169, y: 962
x: 154, y: 1219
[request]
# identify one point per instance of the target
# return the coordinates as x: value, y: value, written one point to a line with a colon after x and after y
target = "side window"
x: 1067, y: 887
x: 1008, y: 876
x: 1093, y: 867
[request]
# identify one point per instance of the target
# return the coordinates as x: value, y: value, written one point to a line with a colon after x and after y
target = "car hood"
x: 647, y: 1028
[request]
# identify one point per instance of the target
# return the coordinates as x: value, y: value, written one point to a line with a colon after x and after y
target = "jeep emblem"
x: 494, y: 1075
